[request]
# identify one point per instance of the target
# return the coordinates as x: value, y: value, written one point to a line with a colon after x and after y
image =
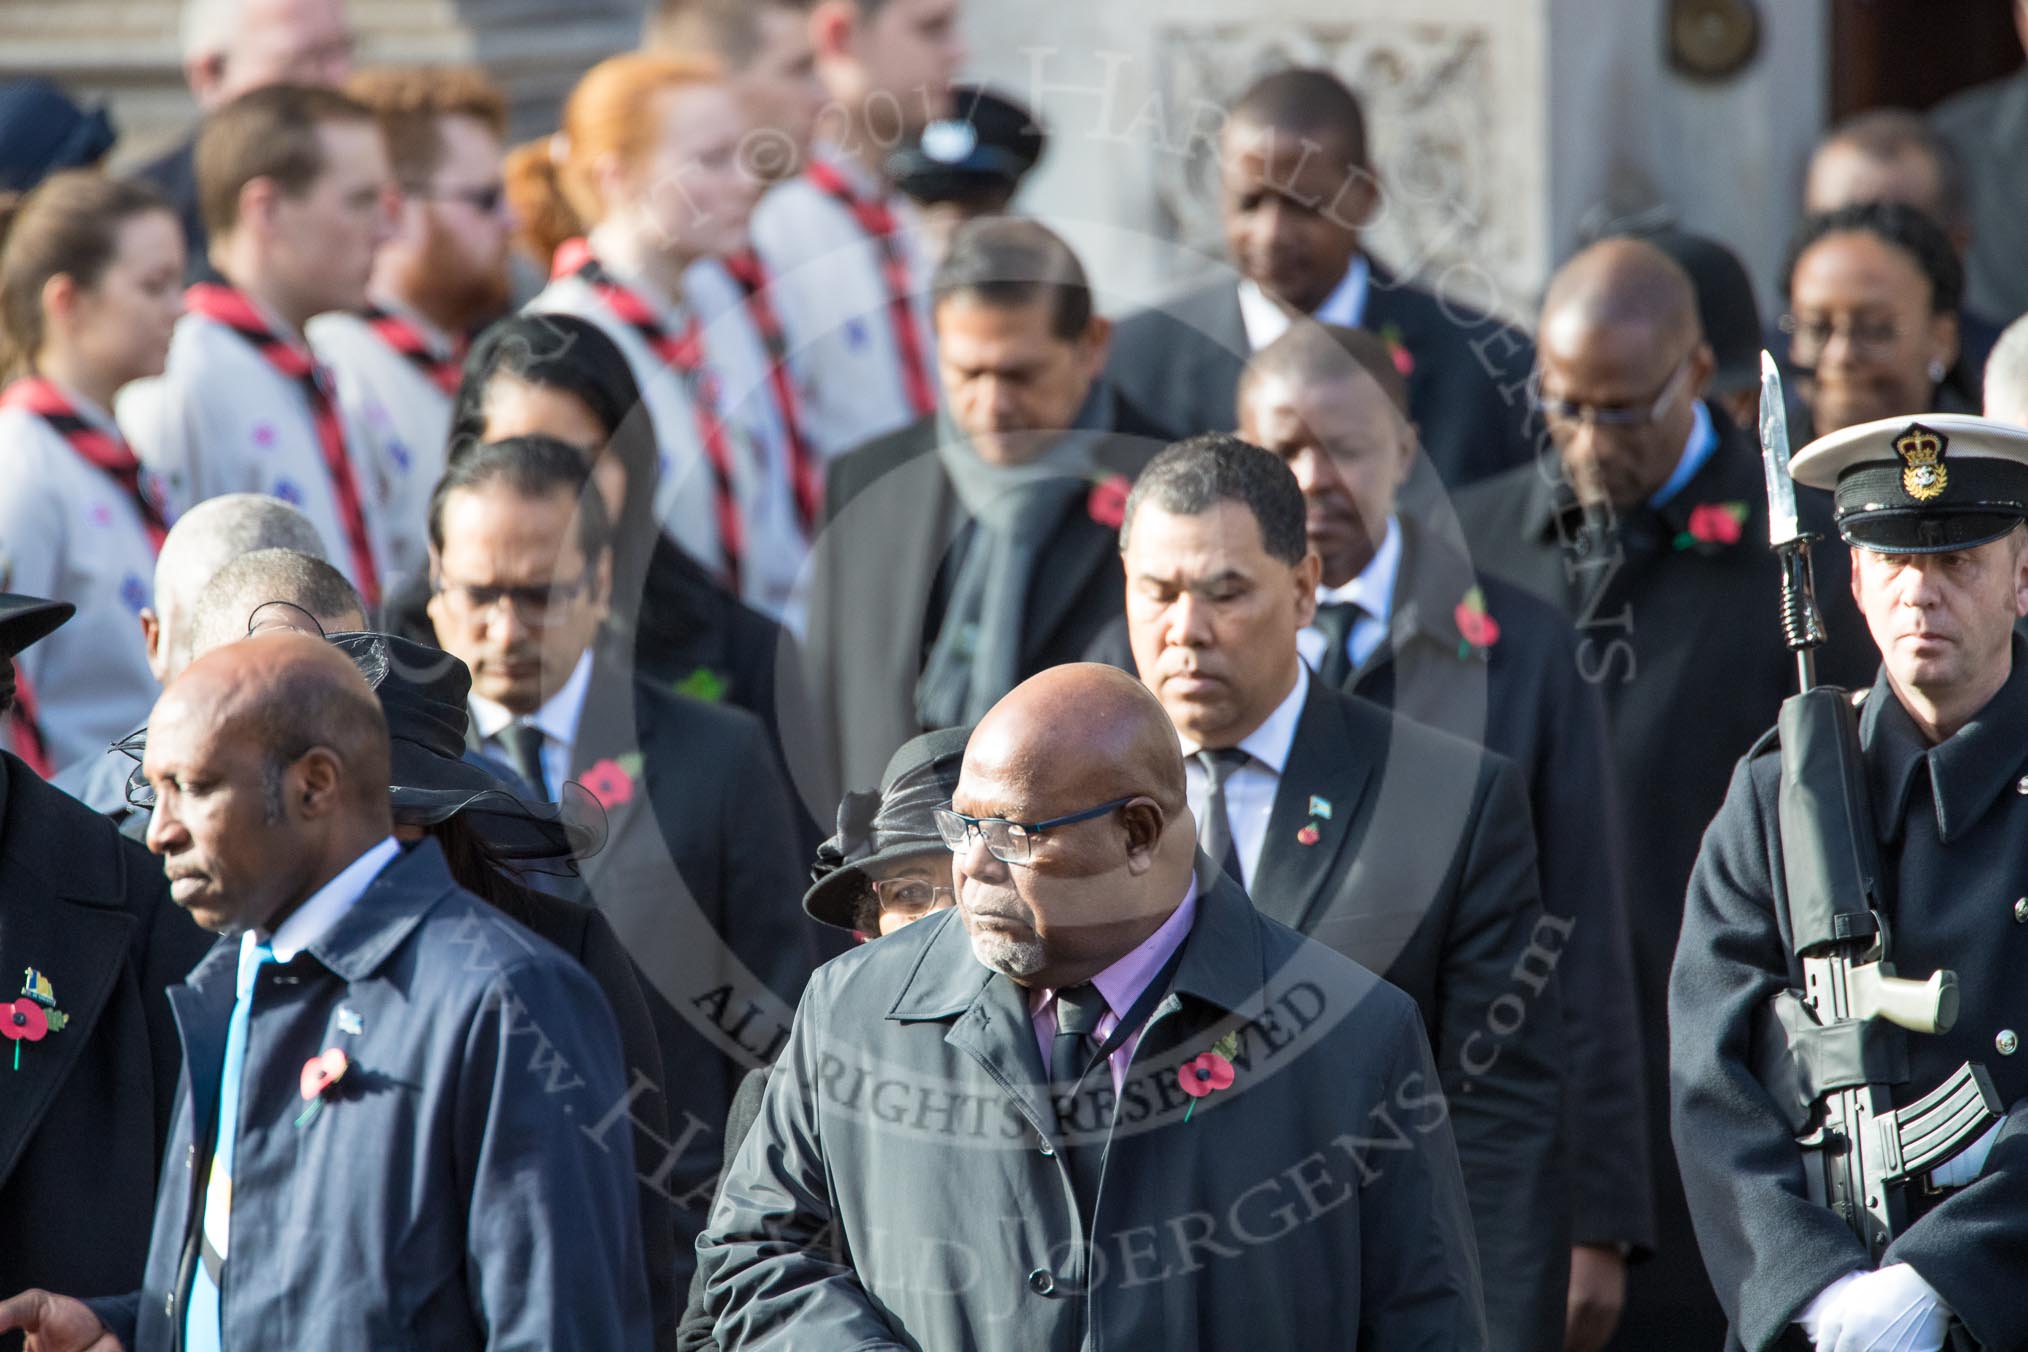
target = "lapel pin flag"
x: 1320, y: 807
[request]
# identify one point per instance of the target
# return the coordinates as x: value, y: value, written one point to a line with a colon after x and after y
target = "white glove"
x: 1892, y: 1310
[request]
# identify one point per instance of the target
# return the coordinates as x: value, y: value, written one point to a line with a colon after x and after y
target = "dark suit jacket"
x: 695, y: 1334
x: 1523, y: 698
x: 1948, y: 825
x: 876, y: 600
x: 1182, y: 361
x: 83, y: 1117
x: 1316, y: 1202
x: 701, y: 879
x: 584, y: 933
x: 465, y: 1186
x: 1684, y: 644
x: 1423, y: 869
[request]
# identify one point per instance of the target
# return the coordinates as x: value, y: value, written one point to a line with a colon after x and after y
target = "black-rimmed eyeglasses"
x: 1011, y: 842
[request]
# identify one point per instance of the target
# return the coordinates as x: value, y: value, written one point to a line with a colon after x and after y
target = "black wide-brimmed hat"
x: 1932, y: 484
x: 988, y: 142
x: 26, y: 620
x: 880, y: 828
x: 422, y: 691
x: 422, y: 694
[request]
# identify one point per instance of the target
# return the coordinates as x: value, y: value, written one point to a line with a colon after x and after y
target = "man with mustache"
x: 1101, y: 1101
x: 1933, y: 512
x: 1402, y: 847
x: 441, y: 278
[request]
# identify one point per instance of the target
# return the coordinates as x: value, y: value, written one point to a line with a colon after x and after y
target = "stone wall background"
x: 1501, y: 128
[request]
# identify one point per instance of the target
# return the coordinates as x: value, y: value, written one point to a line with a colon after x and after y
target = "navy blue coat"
x: 1952, y: 823
x: 469, y: 1185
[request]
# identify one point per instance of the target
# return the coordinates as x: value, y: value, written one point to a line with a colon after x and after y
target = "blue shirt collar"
x: 1697, y: 452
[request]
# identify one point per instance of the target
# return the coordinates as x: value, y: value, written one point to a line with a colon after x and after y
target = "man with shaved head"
x: 421, y: 1171
x: 1395, y: 603
x: 1297, y: 187
x: 316, y: 595
x: 1102, y: 1100
x: 1646, y: 523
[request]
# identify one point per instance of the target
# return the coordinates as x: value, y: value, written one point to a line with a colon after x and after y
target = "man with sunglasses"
x: 1645, y: 521
x: 698, y: 875
x: 440, y: 278
x: 1104, y: 1101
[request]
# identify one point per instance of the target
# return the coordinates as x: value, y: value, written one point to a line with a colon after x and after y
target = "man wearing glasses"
x: 698, y: 875
x: 1646, y: 522
x: 1104, y: 1102
x: 441, y: 278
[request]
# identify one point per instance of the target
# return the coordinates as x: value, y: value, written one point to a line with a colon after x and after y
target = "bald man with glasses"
x: 1645, y: 521
x: 1102, y: 1102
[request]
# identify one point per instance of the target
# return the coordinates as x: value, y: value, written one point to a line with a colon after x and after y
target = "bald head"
x: 269, y: 761
x: 1080, y: 734
x: 203, y: 540
x: 1088, y: 742
x: 1622, y: 284
x: 1624, y: 364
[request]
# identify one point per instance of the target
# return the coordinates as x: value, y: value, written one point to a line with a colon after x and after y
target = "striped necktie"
x: 203, y: 1326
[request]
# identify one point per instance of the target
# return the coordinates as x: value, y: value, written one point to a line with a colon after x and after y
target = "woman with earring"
x: 91, y: 284
x: 1873, y: 293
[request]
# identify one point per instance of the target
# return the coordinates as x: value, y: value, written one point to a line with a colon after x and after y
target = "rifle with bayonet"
x: 1834, y: 1052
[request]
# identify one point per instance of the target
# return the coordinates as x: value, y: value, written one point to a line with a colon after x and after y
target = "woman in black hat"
x: 885, y: 869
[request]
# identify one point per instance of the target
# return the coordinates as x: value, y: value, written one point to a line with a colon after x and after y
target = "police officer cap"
x: 1927, y: 485
x: 988, y: 143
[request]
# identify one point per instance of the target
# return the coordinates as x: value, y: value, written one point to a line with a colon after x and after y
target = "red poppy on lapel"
x: 1107, y: 504
x: 1205, y: 1073
x: 1714, y: 523
x: 608, y: 782
x: 319, y: 1073
x: 1479, y: 629
x: 1397, y: 350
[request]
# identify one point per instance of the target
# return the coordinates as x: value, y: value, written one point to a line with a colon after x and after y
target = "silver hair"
x: 211, y: 535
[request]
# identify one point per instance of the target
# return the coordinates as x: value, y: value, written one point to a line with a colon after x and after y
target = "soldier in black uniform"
x: 1934, y: 514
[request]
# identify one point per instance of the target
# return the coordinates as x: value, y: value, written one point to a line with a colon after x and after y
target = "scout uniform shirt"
x: 73, y: 531
x: 396, y: 375
x: 229, y: 416
x: 724, y: 492
x: 850, y: 280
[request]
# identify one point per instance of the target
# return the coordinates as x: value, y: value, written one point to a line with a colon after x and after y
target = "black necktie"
x: 1216, y: 828
x: 524, y: 751
x: 1078, y: 1011
x: 1334, y: 621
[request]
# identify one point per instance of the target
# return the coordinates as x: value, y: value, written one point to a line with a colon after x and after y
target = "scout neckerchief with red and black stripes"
x: 876, y: 219
x: 400, y: 333
x: 232, y: 308
x: 27, y: 731
x: 685, y: 353
x: 103, y: 450
x: 746, y: 268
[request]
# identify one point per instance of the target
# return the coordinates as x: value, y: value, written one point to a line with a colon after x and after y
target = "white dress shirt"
x: 68, y: 532
x: 829, y: 289
x: 1373, y: 592
x: 327, y: 905
x: 1250, y: 790
x: 558, y: 720
x: 1266, y: 320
